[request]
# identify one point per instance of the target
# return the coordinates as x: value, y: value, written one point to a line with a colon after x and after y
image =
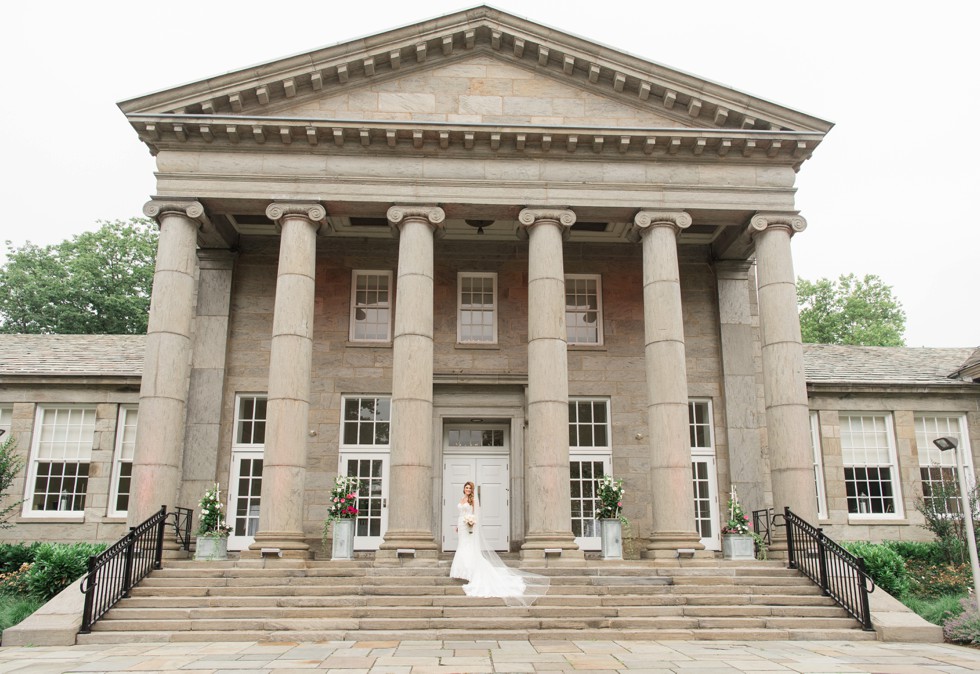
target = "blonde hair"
x: 469, y: 497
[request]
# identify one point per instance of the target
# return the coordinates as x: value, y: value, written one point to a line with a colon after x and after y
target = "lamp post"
x: 945, y: 444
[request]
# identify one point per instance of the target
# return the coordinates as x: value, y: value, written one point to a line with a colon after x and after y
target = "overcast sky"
x: 889, y: 192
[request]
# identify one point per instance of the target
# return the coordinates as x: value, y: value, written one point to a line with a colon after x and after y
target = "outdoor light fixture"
x: 479, y: 224
x: 945, y: 444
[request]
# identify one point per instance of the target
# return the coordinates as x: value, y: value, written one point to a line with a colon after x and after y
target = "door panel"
x: 372, y: 497
x: 492, y: 477
x: 244, y: 498
x: 704, y: 481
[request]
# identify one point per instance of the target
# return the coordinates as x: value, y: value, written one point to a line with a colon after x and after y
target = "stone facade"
x: 469, y: 247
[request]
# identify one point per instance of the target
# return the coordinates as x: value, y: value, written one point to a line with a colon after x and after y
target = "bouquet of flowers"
x: 738, y: 521
x: 609, y: 494
x: 470, y: 522
x: 343, y: 498
x: 212, y: 523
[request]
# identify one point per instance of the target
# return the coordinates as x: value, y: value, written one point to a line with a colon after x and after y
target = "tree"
x: 10, y: 465
x: 94, y: 283
x: 850, y: 311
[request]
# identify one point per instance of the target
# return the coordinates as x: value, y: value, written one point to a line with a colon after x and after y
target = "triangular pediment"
x: 514, y: 82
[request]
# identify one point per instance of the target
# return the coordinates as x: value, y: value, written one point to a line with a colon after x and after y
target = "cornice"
x: 187, y: 132
x: 608, y: 72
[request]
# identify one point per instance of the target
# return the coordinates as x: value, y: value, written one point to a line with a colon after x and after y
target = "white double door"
x: 491, y: 473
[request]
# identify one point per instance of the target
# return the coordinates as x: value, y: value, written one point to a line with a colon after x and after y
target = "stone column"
x: 202, y: 438
x: 410, y: 517
x: 290, y: 371
x: 666, y: 373
x: 784, y: 381
x: 741, y: 389
x: 166, y: 367
x: 549, y: 510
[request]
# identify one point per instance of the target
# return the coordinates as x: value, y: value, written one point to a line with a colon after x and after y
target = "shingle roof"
x: 831, y: 363
x: 72, y: 355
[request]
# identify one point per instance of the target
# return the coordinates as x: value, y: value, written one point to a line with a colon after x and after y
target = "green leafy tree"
x: 94, y: 283
x: 10, y: 465
x: 850, y: 310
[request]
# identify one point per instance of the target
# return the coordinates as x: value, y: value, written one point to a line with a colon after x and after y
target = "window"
x: 704, y: 472
x: 936, y: 467
x: 250, y: 421
x: 583, y: 309
x: 60, y: 456
x: 247, y: 458
x: 370, y: 304
x: 477, y: 320
x: 122, y: 468
x: 818, y: 465
x: 590, y: 449
x: 870, y: 476
x: 367, y: 422
x: 6, y: 420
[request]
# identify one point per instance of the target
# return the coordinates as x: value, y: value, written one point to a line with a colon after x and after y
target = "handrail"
x: 841, y: 575
x: 762, y: 523
x: 116, y: 570
x: 182, y: 526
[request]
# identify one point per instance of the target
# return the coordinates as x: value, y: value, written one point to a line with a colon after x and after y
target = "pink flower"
x: 619, y: 504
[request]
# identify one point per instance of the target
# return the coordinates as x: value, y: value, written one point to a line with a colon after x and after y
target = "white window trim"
x: 27, y: 511
x: 598, y: 295
x: 899, y: 513
x: 117, y: 460
x: 459, y: 306
x: 6, y: 411
x: 353, y: 304
x: 250, y: 446
x: 964, y: 439
x: 710, y: 450
x: 605, y: 457
x: 818, y: 475
x: 346, y: 447
x: 603, y: 450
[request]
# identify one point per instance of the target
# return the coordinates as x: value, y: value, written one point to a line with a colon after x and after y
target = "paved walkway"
x: 444, y: 657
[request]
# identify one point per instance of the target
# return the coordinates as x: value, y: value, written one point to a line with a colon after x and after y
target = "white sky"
x: 889, y: 192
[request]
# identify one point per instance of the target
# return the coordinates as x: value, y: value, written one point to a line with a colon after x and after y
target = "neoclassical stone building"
x: 474, y: 248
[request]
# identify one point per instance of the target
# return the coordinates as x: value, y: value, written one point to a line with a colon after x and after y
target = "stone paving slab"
x: 491, y: 657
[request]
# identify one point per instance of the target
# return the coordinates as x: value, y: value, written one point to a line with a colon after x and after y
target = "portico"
x: 366, y: 317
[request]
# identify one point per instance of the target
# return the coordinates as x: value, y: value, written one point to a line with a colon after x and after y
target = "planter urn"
x: 738, y: 546
x: 611, y: 531
x: 343, y: 540
x: 211, y: 548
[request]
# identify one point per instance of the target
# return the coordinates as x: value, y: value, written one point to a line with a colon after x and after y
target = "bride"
x: 474, y: 561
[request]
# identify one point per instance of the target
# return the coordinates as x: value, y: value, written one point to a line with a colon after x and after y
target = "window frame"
x: 354, y: 307
x: 706, y: 454
x: 6, y: 420
x: 818, y: 474
x: 593, y: 453
x: 236, y: 444
x: 30, y: 480
x: 122, y: 419
x: 600, y: 339
x: 896, y: 481
x: 241, y: 452
x: 962, y: 436
x: 495, y: 309
x: 357, y: 446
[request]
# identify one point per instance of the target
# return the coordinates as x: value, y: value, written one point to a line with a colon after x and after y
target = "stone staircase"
x: 284, y: 600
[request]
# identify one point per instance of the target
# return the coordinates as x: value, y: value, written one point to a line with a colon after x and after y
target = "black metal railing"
x: 840, y: 574
x: 182, y: 526
x: 762, y: 523
x: 113, y: 572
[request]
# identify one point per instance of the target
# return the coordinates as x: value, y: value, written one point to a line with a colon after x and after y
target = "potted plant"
x: 737, y: 541
x: 342, y: 511
x: 212, y: 532
x: 609, y: 512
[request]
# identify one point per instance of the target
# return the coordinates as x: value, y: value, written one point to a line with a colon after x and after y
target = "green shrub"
x: 964, y: 628
x: 936, y: 610
x: 935, y: 580
x: 931, y: 552
x: 884, y: 566
x: 15, y: 555
x: 58, y: 565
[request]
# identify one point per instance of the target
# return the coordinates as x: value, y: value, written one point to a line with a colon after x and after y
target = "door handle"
x: 384, y: 503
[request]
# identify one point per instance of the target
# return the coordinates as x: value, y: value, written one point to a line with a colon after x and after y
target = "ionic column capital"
x: 794, y: 222
x: 564, y: 218
x: 189, y: 208
x: 432, y: 215
x: 280, y: 210
x: 647, y: 220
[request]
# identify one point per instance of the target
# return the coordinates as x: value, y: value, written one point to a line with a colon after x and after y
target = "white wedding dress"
x: 488, y: 576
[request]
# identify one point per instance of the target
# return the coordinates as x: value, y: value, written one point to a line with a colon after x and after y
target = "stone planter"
x: 738, y: 546
x: 611, y: 531
x: 343, y: 540
x: 210, y: 548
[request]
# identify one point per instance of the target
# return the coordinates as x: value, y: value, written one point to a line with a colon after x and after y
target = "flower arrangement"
x: 738, y: 521
x: 609, y: 497
x: 212, y: 523
x: 470, y: 522
x: 343, y: 499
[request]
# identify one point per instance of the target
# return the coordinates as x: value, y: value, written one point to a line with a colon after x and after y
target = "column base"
x: 292, y: 545
x: 556, y: 545
x: 670, y: 544
x: 422, y: 543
